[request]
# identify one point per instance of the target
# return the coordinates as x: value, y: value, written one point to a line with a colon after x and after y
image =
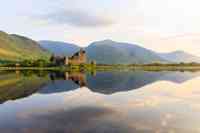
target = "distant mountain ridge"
x: 59, y: 48
x: 112, y: 52
x: 106, y: 52
x: 16, y: 47
x: 180, y: 56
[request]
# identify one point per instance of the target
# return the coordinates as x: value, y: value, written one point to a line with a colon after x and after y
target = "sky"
x: 160, y: 25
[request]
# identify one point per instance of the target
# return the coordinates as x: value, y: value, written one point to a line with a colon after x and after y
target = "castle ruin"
x: 76, y: 59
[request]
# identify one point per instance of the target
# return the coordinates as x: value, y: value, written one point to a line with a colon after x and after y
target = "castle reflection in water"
x: 77, y: 77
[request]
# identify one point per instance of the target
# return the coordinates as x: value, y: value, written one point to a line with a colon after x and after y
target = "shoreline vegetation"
x: 105, y: 67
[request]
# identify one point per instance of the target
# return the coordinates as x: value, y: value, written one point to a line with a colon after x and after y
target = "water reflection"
x: 111, y: 82
x: 64, y: 81
x: 78, y: 78
x: 18, y: 84
x: 79, y: 102
x: 14, y: 85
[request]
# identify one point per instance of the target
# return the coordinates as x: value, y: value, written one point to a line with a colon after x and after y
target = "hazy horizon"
x: 162, y: 26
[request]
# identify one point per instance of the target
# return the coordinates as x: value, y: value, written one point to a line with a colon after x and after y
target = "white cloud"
x: 77, y: 18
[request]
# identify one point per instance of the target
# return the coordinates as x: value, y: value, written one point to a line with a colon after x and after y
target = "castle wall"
x: 77, y: 60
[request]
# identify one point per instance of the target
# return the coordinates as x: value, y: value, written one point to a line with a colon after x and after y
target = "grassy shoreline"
x: 149, y: 67
x: 30, y: 68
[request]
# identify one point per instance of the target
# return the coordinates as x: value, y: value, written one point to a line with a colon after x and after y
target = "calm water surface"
x: 101, y: 102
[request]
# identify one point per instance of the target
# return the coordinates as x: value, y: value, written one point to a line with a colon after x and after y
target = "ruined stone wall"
x: 79, y: 59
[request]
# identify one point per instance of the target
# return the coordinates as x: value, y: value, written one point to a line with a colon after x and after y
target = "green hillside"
x: 111, y: 52
x: 15, y: 48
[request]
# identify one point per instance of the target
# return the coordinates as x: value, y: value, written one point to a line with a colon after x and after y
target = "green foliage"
x: 41, y: 63
x: 35, y: 63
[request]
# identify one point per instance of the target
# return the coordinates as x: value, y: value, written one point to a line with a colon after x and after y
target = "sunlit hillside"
x: 15, y: 47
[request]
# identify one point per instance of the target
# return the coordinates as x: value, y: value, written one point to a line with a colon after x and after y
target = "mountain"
x: 59, y: 48
x: 111, y: 52
x: 16, y: 47
x: 180, y: 56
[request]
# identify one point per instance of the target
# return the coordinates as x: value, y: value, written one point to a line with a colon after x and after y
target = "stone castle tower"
x: 77, y: 59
